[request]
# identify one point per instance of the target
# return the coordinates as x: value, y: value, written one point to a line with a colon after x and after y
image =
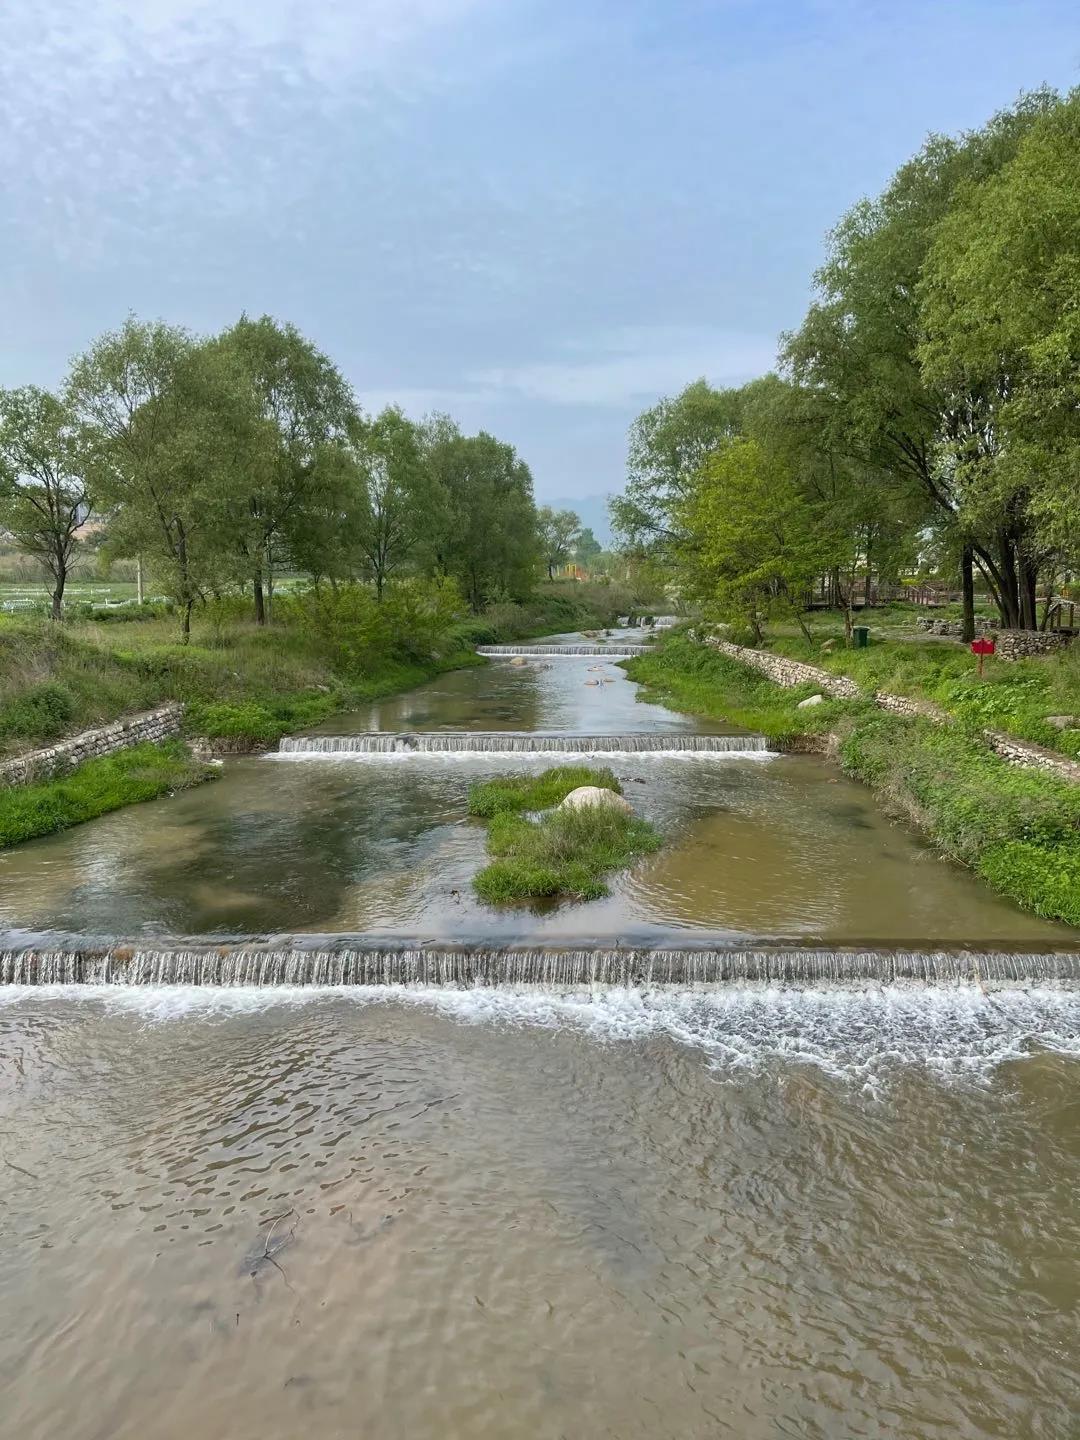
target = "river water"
x: 746, y: 1212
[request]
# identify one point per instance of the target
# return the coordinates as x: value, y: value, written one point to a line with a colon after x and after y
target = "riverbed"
x: 415, y: 1213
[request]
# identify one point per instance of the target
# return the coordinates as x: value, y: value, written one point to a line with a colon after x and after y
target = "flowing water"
x: 623, y: 1169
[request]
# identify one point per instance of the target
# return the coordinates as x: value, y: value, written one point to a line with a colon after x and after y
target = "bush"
x: 39, y: 714
x: 566, y: 852
x: 142, y: 773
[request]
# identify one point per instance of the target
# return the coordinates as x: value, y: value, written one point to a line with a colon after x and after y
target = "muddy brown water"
x: 751, y: 1212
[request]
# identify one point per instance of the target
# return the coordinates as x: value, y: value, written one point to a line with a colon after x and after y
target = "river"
x: 746, y: 1211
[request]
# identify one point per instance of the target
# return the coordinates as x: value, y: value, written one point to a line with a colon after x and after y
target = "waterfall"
x: 617, y: 650
x: 262, y: 964
x: 480, y: 742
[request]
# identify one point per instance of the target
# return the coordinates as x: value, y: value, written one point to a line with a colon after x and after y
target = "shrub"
x: 41, y: 713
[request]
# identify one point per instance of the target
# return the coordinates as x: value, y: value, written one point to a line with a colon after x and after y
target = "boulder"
x: 586, y: 795
x: 810, y: 700
x: 1064, y: 722
x: 519, y: 660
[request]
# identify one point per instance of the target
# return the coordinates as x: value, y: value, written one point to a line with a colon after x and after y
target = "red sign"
x: 982, y: 646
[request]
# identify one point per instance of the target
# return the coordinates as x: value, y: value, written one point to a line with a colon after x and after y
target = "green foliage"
x: 512, y: 794
x: 39, y: 714
x: 141, y: 773
x: 565, y: 852
x: 559, y: 532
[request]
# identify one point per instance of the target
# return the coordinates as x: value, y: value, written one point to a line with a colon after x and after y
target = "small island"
x: 559, y: 833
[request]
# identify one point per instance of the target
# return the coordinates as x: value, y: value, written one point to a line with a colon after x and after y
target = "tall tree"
x: 860, y: 343
x: 668, y: 445
x: 489, y: 544
x: 397, y: 503
x: 1000, y: 297
x: 44, y: 500
x: 306, y: 405
x: 558, y: 532
x: 168, y: 431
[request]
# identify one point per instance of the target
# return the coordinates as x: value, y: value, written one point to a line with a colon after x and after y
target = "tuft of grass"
x: 564, y: 852
x: 512, y: 794
x: 144, y: 772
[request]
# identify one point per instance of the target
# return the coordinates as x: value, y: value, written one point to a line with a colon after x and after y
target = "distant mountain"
x: 591, y: 510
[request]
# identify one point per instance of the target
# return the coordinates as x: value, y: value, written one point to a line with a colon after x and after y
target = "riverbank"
x: 143, y: 772
x: 246, y: 685
x: 1018, y: 829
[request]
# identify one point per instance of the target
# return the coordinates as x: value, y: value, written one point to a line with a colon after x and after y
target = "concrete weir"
x: 526, y: 742
x: 615, y: 651
x: 349, y: 961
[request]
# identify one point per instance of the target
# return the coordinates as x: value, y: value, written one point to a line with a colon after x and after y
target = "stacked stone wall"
x: 65, y: 755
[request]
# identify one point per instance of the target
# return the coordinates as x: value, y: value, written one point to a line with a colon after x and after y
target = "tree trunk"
x: 185, y: 629
x: 260, y: 602
x: 1029, y: 616
x: 138, y: 581
x: 967, y: 585
x: 60, y: 580
x: 1009, y: 599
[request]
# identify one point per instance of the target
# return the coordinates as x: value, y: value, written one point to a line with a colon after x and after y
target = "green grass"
x: 1014, y: 696
x: 512, y: 794
x: 562, y: 852
x: 142, y: 773
x: 695, y: 679
x: 242, y: 683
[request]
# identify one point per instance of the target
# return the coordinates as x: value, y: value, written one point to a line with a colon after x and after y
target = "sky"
x: 538, y: 215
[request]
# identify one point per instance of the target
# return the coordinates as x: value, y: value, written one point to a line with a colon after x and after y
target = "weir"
x: 493, y: 742
x: 615, y: 651
x: 557, y: 968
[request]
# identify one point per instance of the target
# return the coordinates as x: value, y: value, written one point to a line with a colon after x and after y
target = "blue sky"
x: 536, y: 214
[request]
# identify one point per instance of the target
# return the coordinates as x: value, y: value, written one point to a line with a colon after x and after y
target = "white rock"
x: 810, y: 700
x: 586, y: 795
x: 519, y: 660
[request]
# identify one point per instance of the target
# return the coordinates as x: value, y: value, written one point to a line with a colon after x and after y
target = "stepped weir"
x: 615, y: 651
x: 494, y: 742
x: 349, y: 963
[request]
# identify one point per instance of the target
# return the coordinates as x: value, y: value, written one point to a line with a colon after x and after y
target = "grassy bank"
x: 144, y: 772
x: 1015, y: 696
x: 562, y: 852
x: 1017, y: 828
x: 247, y: 684
x: 699, y: 681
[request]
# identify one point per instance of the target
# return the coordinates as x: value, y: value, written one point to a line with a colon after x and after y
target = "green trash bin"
x: 862, y: 636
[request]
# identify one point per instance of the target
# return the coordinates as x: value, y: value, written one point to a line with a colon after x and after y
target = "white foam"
x: 862, y: 1036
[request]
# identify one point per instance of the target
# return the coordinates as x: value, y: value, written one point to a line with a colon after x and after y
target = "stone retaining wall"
x: 1019, y: 644
x: 790, y: 673
x: 150, y: 725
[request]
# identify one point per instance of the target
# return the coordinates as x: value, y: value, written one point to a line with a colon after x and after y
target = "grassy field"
x: 1017, y: 828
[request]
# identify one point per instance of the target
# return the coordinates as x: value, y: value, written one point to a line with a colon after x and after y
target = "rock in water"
x: 810, y: 700
x: 519, y: 660
x: 586, y: 795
